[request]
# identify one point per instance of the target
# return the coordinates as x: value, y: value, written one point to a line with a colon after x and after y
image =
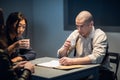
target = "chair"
x: 114, y: 60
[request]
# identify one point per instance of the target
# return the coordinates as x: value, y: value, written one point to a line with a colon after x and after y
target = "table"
x: 44, y: 73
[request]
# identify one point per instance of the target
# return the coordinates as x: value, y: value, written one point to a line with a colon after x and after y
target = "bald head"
x: 85, y: 16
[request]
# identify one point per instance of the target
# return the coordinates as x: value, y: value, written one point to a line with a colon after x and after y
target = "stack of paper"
x: 56, y: 64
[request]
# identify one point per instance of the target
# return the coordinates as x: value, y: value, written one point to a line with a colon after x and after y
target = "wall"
x: 46, y: 28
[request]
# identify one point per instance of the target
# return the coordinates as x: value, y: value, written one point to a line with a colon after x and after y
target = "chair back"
x: 114, y: 60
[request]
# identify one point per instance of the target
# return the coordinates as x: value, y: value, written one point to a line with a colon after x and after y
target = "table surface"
x: 50, y: 73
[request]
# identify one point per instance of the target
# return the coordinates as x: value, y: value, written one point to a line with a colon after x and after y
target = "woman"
x: 16, y: 25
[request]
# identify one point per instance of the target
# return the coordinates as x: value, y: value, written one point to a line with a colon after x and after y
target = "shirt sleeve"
x: 27, y: 54
x: 72, y: 38
x: 99, y: 47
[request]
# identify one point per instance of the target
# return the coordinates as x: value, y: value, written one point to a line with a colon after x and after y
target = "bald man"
x: 90, y: 43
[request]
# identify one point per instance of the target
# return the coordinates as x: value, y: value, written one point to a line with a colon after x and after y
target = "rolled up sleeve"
x: 99, y: 47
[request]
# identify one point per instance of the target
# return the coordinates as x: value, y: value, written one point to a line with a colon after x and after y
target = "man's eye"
x: 79, y: 26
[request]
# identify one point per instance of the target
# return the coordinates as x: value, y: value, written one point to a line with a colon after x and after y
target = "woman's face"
x: 21, y: 28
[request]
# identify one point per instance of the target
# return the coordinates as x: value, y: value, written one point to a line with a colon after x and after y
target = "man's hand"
x: 66, y: 61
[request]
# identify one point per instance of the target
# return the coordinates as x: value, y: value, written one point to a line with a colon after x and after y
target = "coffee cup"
x: 24, y: 44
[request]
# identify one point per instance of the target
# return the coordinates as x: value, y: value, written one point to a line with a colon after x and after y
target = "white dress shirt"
x: 94, y: 46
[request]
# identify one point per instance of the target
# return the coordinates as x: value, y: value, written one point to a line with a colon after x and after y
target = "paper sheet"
x: 56, y: 64
x: 52, y: 63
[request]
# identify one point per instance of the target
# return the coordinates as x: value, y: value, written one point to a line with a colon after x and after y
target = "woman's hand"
x: 29, y: 66
x: 13, y: 47
x: 16, y: 59
x: 25, y: 65
x: 20, y: 64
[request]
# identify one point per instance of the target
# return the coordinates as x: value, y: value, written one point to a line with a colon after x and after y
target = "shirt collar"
x: 91, y: 35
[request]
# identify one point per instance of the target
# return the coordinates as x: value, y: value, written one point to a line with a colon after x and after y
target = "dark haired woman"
x: 16, y: 26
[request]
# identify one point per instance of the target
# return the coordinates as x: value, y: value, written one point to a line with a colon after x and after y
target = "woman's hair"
x: 13, y: 18
x: 1, y: 20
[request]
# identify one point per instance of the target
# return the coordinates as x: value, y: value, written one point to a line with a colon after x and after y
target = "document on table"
x: 52, y: 63
x: 56, y: 64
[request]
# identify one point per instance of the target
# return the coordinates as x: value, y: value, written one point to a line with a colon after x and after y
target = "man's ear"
x: 91, y: 23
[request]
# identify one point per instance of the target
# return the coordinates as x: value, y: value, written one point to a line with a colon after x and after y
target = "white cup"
x: 24, y: 44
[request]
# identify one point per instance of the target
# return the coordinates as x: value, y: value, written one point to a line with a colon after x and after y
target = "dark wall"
x: 106, y: 13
